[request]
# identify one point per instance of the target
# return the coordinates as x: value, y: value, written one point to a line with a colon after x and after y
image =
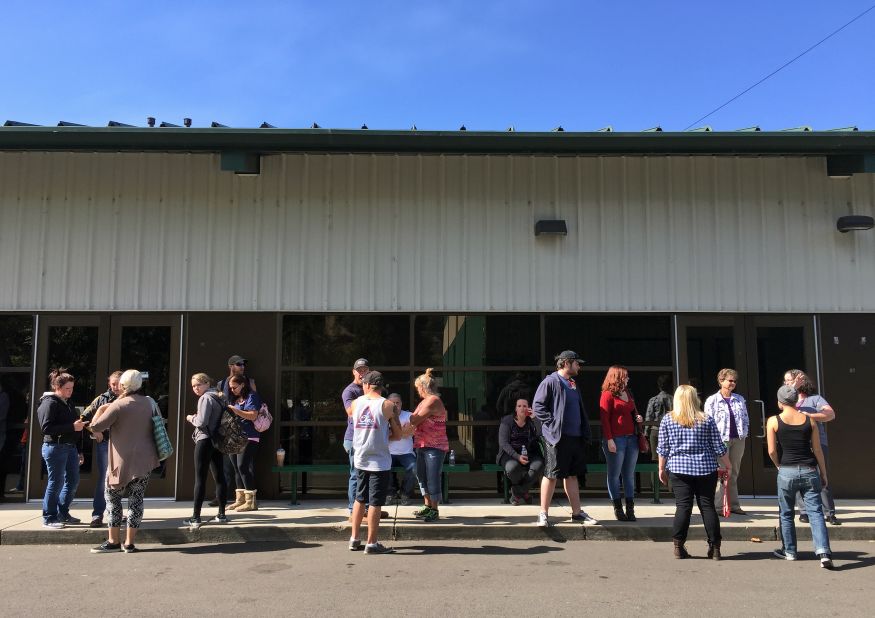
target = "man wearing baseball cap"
x: 374, y: 424
x: 558, y: 405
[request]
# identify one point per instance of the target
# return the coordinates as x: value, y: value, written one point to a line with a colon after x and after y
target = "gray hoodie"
x: 209, y: 413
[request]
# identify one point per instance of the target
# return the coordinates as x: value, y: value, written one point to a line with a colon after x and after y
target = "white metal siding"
x: 106, y: 231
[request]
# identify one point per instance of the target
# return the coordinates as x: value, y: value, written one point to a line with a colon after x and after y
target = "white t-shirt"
x: 404, y: 445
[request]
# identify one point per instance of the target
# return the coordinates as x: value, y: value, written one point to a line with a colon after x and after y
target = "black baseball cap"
x: 569, y: 355
x: 362, y: 362
x: 374, y: 378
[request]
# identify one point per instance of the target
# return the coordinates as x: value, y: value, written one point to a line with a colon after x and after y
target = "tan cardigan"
x: 132, y: 452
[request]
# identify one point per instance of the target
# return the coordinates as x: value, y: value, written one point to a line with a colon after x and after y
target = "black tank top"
x: 794, y: 444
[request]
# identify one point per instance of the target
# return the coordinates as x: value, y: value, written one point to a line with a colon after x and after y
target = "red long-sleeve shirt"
x: 616, y: 415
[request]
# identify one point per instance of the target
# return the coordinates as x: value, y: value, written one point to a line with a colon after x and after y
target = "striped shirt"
x: 690, y: 450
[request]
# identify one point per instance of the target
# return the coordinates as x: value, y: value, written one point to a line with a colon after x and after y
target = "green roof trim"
x: 267, y: 141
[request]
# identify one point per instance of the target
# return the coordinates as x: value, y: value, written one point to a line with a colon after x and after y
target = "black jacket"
x: 505, y: 450
x: 56, y: 418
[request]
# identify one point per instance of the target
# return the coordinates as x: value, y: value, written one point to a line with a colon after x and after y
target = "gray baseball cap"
x: 788, y: 395
x: 362, y: 362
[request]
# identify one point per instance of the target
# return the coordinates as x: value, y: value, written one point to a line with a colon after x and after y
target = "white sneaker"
x: 584, y: 517
x: 54, y: 525
x: 543, y: 521
x: 780, y: 553
x: 825, y: 561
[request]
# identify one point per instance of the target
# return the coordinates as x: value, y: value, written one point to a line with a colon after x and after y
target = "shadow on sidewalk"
x: 483, y: 550
x: 252, y: 547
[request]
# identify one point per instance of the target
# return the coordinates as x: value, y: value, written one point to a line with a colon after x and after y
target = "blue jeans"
x: 806, y: 480
x: 353, y: 475
x: 429, y: 466
x: 829, y: 505
x: 62, y: 464
x: 101, y: 456
x: 621, y: 464
x: 408, y: 462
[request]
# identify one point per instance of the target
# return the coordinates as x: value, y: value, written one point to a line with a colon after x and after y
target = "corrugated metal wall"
x: 431, y: 233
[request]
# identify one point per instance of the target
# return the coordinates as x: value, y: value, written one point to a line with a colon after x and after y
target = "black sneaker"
x: 833, y: 520
x: 219, y: 519
x: 803, y: 518
x: 69, y: 520
x: 53, y: 524
x: 192, y: 523
x: 130, y: 549
x: 378, y: 548
x: 106, y: 548
x: 826, y: 561
x: 96, y: 522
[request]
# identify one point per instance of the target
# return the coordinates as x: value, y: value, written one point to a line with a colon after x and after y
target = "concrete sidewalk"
x: 480, y: 519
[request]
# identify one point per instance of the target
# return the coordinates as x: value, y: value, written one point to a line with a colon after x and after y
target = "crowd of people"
x: 699, y: 450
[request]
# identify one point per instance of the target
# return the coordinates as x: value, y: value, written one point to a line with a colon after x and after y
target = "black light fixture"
x: 551, y: 227
x: 854, y: 223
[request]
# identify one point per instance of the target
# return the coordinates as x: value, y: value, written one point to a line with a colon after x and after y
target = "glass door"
x: 760, y: 349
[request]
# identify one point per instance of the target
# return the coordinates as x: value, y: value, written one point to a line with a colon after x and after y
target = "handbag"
x: 159, y: 434
x: 643, y: 442
x: 263, y: 419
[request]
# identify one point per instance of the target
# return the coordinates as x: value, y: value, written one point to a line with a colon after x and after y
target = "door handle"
x: 762, y: 415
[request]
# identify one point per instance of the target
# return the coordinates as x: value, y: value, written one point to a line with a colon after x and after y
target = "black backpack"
x: 228, y: 437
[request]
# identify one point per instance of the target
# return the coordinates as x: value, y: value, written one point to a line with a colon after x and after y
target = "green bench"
x: 648, y: 468
x: 294, y: 469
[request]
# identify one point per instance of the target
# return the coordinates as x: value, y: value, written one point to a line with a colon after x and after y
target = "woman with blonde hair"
x: 689, y: 446
x: 430, y: 441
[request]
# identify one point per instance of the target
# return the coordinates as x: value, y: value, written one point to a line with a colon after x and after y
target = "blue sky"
x: 488, y: 65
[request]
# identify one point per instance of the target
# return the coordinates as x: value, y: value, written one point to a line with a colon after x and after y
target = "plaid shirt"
x: 690, y: 450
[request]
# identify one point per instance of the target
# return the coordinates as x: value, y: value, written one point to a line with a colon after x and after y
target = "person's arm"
x: 249, y: 409
x: 542, y: 404
x: 106, y: 417
x: 772, y: 440
x: 818, y: 452
x: 395, y: 431
x: 89, y: 412
x: 663, y: 475
x: 606, y: 406
x: 504, y: 439
x: 201, y: 418
x: 348, y: 401
x: 824, y: 413
x: 427, y: 407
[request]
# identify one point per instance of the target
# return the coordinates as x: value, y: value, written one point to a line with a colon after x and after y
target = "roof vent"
x: 463, y: 128
x: 64, y: 123
x: 150, y: 120
x: 705, y: 129
x: 558, y: 129
x: 15, y: 123
x: 217, y: 125
x: 802, y: 129
x: 115, y: 123
x: 265, y: 125
x: 511, y: 129
x: 413, y: 127
x: 364, y: 127
x: 186, y: 122
x: 607, y: 129
x: 656, y: 129
x: 315, y: 126
x: 844, y: 129
x: 755, y: 127
x: 165, y: 125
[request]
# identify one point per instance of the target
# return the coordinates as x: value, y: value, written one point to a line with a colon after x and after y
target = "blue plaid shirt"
x: 690, y: 450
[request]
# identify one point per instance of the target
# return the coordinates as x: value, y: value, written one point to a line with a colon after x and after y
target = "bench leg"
x: 294, y: 484
x: 506, y: 488
x: 654, y: 480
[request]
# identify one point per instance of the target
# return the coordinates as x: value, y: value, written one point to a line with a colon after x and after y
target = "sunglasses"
x: 240, y: 364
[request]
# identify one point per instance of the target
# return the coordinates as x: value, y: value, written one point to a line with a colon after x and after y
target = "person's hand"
x: 189, y: 418
x: 81, y: 458
x: 639, y: 419
x: 824, y: 481
x: 524, y: 460
x: 78, y: 425
x: 663, y: 477
x: 98, y: 437
x: 612, y: 447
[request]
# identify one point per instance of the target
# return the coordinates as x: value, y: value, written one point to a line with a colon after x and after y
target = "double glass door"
x: 761, y: 349
x: 93, y: 346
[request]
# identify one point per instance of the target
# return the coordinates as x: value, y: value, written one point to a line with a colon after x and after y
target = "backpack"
x: 229, y: 437
x: 263, y: 420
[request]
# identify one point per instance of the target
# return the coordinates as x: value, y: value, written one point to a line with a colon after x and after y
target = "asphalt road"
x: 434, y: 579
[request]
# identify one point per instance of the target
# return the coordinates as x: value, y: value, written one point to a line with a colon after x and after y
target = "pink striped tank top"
x: 432, y: 432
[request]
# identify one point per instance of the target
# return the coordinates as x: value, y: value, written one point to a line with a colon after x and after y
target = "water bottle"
x: 524, y: 452
x: 452, y: 458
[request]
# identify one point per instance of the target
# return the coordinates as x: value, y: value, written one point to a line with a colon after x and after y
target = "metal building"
x: 169, y: 249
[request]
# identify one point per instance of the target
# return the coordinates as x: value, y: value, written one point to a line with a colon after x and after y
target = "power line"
x: 783, y: 66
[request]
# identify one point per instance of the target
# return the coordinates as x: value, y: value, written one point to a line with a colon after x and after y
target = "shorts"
x: 372, y: 487
x: 565, y: 459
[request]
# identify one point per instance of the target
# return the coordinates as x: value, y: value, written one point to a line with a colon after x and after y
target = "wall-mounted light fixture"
x: 551, y: 227
x: 853, y: 223
x: 241, y: 163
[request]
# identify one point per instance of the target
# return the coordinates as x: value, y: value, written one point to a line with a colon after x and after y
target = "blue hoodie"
x: 549, y: 408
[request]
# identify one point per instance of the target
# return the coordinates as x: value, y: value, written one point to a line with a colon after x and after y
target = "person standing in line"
x: 245, y: 403
x: 658, y: 405
x: 619, y: 442
x: 206, y: 456
x: 61, y: 429
x: 374, y: 424
x: 353, y: 391
x: 794, y: 448
x: 402, y: 453
x: 729, y: 411
x: 236, y: 367
x: 132, y: 457
x: 101, y: 447
x: 519, y: 452
x: 689, y: 446
x: 558, y: 406
x: 429, y: 421
x: 817, y: 408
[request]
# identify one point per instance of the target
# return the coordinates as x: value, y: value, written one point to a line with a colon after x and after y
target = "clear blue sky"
x: 488, y: 65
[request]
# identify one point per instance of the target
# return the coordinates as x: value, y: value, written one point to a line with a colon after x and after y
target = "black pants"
x: 702, y: 488
x: 522, y: 477
x: 244, y: 467
x: 208, y: 458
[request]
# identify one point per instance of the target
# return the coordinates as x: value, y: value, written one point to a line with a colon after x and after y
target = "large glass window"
x: 337, y: 340
x: 16, y: 360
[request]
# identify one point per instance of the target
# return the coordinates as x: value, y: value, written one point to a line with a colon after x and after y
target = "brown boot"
x: 680, y: 552
x: 239, y: 500
x: 714, y: 551
x: 249, y: 503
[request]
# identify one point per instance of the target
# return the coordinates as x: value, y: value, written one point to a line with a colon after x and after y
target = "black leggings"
x: 244, y: 466
x: 207, y: 457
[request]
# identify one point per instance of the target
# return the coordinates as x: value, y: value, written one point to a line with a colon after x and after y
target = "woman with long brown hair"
x: 619, y: 442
